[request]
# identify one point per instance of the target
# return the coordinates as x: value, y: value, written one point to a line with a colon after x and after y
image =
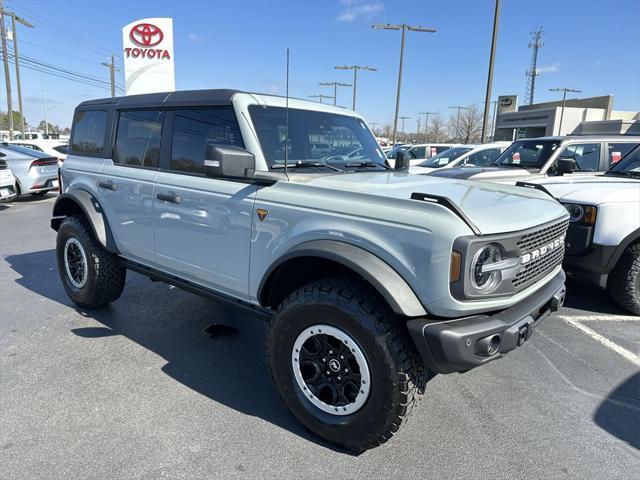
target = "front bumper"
x: 458, y: 345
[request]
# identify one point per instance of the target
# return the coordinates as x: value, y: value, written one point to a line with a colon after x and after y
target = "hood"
x: 493, y: 208
x: 593, y: 189
x: 418, y: 170
x: 483, y: 173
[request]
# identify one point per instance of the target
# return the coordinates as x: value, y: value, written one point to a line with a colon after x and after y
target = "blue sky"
x: 590, y: 45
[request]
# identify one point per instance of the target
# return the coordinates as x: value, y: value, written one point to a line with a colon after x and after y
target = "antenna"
x: 286, y: 137
x: 535, y: 44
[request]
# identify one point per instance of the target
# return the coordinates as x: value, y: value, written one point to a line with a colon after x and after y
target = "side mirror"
x: 566, y: 165
x: 228, y: 161
x: 403, y: 160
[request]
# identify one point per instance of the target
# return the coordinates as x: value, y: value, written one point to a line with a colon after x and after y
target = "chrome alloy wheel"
x: 75, y: 263
x: 331, y: 370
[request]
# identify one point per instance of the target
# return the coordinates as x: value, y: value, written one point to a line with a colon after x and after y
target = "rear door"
x: 202, y: 224
x: 126, y: 182
x: 616, y: 151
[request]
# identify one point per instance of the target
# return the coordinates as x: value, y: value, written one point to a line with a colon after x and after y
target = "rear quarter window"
x: 89, y: 132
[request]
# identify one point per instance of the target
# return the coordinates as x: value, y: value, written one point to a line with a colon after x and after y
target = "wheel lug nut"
x: 328, y: 372
x: 330, y: 352
x: 339, y: 377
x: 346, y: 370
x: 341, y: 357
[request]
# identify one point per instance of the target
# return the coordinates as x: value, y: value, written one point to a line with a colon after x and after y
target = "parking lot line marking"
x: 632, y: 357
x: 606, y: 318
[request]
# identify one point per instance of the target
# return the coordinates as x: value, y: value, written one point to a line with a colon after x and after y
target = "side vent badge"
x: 262, y: 213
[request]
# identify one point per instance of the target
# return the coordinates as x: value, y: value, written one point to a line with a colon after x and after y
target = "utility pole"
x: 418, y: 132
x: 564, y: 97
x: 536, y: 43
x: 487, y: 98
x: 112, y: 75
x: 404, y: 27
x: 320, y: 96
x: 335, y: 88
x: 373, y: 126
x: 44, y: 101
x: 458, y: 107
x: 426, y: 121
x: 355, y: 69
x: 403, y: 119
x: 7, y: 75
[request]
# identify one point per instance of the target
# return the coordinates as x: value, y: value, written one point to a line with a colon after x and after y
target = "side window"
x: 616, y: 151
x: 483, y: 158
x: 194, y: 130
x: 89, y: 131
x: 587, y: 156
x: 419, y: 152
x: 138, y: 138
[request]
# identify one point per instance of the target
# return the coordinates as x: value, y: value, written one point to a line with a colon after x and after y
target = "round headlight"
x: 576, y: 212
x: 486, y: 282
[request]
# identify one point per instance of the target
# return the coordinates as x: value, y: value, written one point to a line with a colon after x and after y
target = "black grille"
x: 539, y: 267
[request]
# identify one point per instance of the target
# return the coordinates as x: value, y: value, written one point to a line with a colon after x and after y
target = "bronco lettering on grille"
x: 542, y: 251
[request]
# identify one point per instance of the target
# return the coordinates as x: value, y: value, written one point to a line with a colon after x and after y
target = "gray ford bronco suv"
x: 373, y: 279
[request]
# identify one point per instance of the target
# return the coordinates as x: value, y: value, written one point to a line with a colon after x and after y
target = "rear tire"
x: 623, y: 283
x: 351, y: 313
x: 90, y: 275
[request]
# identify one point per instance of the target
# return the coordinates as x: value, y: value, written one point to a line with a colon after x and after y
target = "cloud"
x: 553, y: 68
x: 352, y: 9
x: 194, y: 37
x: 273, y: 89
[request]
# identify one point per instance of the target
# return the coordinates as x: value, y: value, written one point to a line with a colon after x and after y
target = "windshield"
x: 528, y: 154
x: 443, y: 158
x: 629, y: 164
x: 316, y: 139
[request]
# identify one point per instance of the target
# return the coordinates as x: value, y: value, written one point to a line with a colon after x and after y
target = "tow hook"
x: 522, y: 334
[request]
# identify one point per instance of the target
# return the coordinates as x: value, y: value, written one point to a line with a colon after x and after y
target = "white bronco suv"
x: 603, y: 240
x: 372, y: 278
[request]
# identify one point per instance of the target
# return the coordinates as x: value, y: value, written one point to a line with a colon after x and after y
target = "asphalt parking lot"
x: 135, y: 390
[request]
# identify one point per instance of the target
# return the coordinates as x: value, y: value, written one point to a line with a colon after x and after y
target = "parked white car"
x: 419, y: 152
x: 603, y: 240
x: 471, y: 155
x: 53, y: 148
x: 7, y: 182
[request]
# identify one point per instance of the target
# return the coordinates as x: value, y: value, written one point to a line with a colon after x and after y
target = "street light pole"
x: 426, y: 121
x: 335, y: 88
x: 564, y: 97
x: 404, y: 27
x: 355, y: 69
x: 487, y: 100
x: 458, y: 107
x: 7, y: 75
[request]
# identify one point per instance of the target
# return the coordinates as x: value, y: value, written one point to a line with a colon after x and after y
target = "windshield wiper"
x: 511, y: 165
x: 304, y: 164
x: 367, y: 163
x: 624, y: 174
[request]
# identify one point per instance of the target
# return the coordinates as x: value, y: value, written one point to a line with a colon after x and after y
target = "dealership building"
x: 581, y: 116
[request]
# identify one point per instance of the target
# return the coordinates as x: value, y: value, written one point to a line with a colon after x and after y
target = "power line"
x: 93, y: 62
x: 61, y: 31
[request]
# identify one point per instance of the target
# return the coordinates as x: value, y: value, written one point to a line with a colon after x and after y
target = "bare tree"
x: 466, y: 127
x: 436, y: 131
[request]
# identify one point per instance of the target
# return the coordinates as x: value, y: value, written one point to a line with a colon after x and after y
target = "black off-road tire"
x: 398, y: 375
x: 623, y: 283
x: 105, y: 277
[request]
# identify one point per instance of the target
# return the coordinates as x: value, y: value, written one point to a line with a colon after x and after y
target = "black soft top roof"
x: 183, y: 98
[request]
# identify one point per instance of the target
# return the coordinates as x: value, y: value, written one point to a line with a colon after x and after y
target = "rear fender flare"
x: 71, y: 203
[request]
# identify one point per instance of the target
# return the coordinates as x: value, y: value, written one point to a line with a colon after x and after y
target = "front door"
x: 202, y: 224
x: 126, y: 182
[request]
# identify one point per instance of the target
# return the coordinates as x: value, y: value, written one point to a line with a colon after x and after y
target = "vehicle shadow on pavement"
x: 582, y: 295
x: 225, y: 363
x: 619, y: 413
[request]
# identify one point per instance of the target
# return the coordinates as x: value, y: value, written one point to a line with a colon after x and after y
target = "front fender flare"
x: 72, y: 202
x: 384, y: 279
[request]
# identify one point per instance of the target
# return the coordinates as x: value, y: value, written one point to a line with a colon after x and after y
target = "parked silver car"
x: 35, y: 172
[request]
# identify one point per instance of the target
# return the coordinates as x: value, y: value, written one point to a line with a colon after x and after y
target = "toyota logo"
x: 146, y: 35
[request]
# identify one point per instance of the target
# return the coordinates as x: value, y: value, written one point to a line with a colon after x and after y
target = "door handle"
x: 168, y: 197
x: 108, y: 185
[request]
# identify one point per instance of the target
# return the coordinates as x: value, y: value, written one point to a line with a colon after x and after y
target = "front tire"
x: 90, y: 275
x: 343, y: 364
x: 624, y: 280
